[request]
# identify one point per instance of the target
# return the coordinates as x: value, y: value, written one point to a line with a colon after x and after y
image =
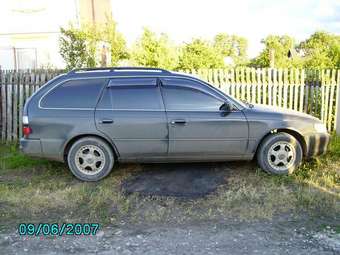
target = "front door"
x: 197, y: 128
x: 131, y: 113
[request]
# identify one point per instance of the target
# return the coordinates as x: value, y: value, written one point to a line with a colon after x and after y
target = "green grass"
x: 12, y: 158
x: 42, y: 190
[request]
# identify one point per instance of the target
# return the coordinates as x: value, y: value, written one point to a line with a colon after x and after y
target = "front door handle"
x: 178, y: 122
x: 106, y: 121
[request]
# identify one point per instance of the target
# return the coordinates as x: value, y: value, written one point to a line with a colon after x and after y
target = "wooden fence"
x: 15, y: 89
x: 316, y: 92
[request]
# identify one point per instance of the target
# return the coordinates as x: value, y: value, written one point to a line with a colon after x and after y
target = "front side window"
x: 185, y: 97
x: 82, y: 93
x: 133, y: 94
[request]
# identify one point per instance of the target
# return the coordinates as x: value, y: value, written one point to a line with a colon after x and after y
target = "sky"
x: 184, y: 19
x: 254, y: 19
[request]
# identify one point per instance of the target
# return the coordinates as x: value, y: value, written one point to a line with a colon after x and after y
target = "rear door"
x: 196, y: 125
x: 132, y: 114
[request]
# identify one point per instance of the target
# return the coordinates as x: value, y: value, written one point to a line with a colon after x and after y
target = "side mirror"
x: 226, y: 107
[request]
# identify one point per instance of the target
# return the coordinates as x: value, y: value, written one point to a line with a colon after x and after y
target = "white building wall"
x: 32, y: 28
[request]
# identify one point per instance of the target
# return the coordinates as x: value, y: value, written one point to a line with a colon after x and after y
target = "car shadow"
x: 183, y: 180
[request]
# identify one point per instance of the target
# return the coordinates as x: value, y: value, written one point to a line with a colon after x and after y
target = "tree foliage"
x: 78, y: 46
x: 116, y: 41
x: 283, y: 48
x: 154, y: 51
x: 321, y: 50
x: 199, y: 54
x: 72, y: 45
x: 232, y: 46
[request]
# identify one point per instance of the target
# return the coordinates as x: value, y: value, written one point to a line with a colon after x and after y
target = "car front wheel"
x: 279, y: 153
x: 90, y: 159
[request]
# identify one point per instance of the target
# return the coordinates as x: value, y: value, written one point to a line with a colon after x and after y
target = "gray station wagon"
x: 94, y: 118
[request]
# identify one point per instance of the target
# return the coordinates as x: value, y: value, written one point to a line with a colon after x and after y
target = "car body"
x: 154, y: 115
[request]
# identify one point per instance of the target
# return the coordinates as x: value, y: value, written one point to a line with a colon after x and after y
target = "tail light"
x: 26, y: 130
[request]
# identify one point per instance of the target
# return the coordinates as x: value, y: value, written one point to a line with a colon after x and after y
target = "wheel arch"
x: 72, y: 140
x: 290, y: 131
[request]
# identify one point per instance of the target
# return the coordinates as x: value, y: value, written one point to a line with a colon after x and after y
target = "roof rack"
x: 118, y: 69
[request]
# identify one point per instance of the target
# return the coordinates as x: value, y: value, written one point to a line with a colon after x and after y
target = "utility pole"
x: 93, y: 13
x: 337, y: 108
x: 15, y: 58
x: 272, y: 58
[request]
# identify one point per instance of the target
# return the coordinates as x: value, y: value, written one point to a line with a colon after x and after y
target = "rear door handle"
x: 178, y: 122
x: 106, y: 121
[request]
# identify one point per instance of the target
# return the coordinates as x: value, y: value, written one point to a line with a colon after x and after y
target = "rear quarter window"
x: 74, y: 94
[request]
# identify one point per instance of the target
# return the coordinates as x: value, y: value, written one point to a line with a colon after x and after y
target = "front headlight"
x: 320, y: 128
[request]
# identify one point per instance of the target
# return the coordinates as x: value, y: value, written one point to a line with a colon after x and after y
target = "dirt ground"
x: 280, y: 236
x: 287, y: 233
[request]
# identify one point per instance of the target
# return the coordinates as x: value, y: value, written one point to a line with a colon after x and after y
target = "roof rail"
x: 118, y: 69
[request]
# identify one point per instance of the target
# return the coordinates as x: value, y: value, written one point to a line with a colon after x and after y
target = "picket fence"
x: 316, y: 92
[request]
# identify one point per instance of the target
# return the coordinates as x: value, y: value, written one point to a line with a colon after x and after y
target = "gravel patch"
x: 265, y: 237
x: 329, y: 238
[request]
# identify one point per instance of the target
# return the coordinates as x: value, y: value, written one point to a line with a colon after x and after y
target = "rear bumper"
x: 31, y: 147
x: 317, y: 144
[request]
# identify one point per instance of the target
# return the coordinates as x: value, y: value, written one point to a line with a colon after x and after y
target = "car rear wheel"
x: 90, y: 159
x: 279, y: 153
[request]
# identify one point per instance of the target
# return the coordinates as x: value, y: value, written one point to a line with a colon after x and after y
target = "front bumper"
x: 317, y: 144
x: 31, y: 147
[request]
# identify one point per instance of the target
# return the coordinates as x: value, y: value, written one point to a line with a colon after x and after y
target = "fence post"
x: 337, y: 108
x: 302, y: 86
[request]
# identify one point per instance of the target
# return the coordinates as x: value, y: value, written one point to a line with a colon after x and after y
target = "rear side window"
x: 74, y: 94
x: 132, y: 94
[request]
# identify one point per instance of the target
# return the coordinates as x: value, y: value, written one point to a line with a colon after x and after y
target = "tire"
x: 279, y: 154
x: 90, y: 159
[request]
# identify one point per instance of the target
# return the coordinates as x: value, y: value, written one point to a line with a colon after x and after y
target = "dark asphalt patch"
x: 176, y: 180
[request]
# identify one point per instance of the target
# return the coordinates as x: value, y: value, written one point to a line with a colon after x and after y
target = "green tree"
x: 92, y: 36
x: 79, y: 46
x: 321, y: 50
x: 283, y: 50
x: 73, y: 48
x: 154, y: 51
x: 200, y: 54
x: 232, y: 46
x: 116, y: 41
